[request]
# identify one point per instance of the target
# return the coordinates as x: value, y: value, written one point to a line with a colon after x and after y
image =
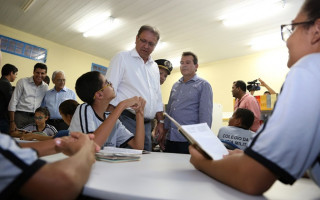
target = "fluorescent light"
x: 27, y: 5
x: 40, y: 57
x: 175, y: 62
x: 266, y: 42
x: 102, y: 28
x: 249, y: 12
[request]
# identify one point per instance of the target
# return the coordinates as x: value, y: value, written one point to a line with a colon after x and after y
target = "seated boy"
x: 238, y: 131
x: 91, y: 116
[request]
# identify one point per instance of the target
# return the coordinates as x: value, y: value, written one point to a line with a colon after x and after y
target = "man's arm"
x: 237, y: 170
x: 206, y: 104
x: 267, y: 86
x: 138, y: 141
x: 13, y: 126
x: 63, y: 179
x: 115, y: 75
x: 13, y: 104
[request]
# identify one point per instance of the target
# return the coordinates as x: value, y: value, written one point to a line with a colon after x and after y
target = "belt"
x: 27, y: 113
x: 133, y: 116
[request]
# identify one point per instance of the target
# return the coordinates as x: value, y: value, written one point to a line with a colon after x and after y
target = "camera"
x: 253, y: 85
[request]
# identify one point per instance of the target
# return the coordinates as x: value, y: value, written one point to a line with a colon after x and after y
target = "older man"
x: 27, y: 97
x: 55, y: 97
x: 134, y: 73
x: 190, y: 102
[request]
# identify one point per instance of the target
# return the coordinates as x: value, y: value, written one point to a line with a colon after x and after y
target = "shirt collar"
x: 134, y: 53
x: 194, y: 78
x: 63, y: 89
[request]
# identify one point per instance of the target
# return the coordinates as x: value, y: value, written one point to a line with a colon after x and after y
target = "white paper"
x: 206, y: 140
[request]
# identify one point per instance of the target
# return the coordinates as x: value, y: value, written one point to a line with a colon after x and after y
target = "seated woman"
x: 66, y: 109
x: 39, y: 130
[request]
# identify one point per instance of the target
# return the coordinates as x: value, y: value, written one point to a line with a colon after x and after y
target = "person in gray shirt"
x: 190, y: 102
x: 238, y: 132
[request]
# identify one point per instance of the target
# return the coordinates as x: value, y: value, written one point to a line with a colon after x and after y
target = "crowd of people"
x: 120, y: 108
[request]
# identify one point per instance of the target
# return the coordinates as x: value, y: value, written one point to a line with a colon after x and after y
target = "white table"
x: 171, y: 176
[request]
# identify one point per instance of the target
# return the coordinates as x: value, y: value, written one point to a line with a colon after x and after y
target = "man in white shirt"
x: 134, y: 73
x: 27, y: 97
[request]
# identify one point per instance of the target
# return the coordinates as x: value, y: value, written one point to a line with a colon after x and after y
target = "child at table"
x: 39, y: 130
x: 91, y: 116
x: 237, y: 132
x: 66, y: 110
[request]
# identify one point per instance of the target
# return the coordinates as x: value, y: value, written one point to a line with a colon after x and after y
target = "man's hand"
x: 13, y: 126
x: 70, y: 145
x: 262, y: 83
x: 161, y: 133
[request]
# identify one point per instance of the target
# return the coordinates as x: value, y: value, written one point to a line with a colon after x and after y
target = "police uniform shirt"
x: 85, y: 120
x: 17, y: 165
x: 288, y: 143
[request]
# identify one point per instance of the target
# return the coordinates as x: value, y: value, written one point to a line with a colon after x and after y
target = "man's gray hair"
x: 55, y: 73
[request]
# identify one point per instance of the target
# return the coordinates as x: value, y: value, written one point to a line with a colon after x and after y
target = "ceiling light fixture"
x: 251, y: 11
x: 102, y: 27
x: 266, y: 42
x: 27, y: 5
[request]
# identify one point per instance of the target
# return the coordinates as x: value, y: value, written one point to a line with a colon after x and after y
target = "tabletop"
x: 171, y: 176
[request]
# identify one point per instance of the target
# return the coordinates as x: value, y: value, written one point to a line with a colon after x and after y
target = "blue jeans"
x: 4, y: 126
x: 130, y: 124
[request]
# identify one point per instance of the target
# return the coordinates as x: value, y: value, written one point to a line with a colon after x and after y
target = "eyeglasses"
x: 151, y: 44
x: 287, y: 29
x: 61, y: 80
x: 38, y: 118
x: 107, y: 84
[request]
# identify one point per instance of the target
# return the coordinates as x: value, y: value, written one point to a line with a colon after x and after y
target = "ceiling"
x: 185, y: 25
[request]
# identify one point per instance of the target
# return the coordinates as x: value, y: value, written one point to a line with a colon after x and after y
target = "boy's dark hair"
x: 241, y: 84
x: 68, y: 107
x: 43, y: 110
x: 47, y: 80
x: 87, y: 85
x: 246, y: 116
x: 189, y: 53
x: 41, y: 66
x: 151, y: 29
x: 7, y: 69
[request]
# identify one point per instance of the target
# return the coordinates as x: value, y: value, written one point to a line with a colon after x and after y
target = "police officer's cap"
x: 164, y: 64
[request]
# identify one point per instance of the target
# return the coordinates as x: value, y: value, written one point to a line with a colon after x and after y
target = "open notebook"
x: 202, y: 138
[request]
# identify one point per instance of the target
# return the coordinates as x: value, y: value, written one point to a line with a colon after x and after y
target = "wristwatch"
x: 161, y: 121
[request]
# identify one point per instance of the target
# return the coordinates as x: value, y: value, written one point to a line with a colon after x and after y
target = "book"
x: 202, y: 138
x: 116, y: 157
x: 114, y: 154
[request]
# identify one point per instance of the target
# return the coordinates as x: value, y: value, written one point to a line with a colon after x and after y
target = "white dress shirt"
x: 131, y: 76
x: 27, y: 96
